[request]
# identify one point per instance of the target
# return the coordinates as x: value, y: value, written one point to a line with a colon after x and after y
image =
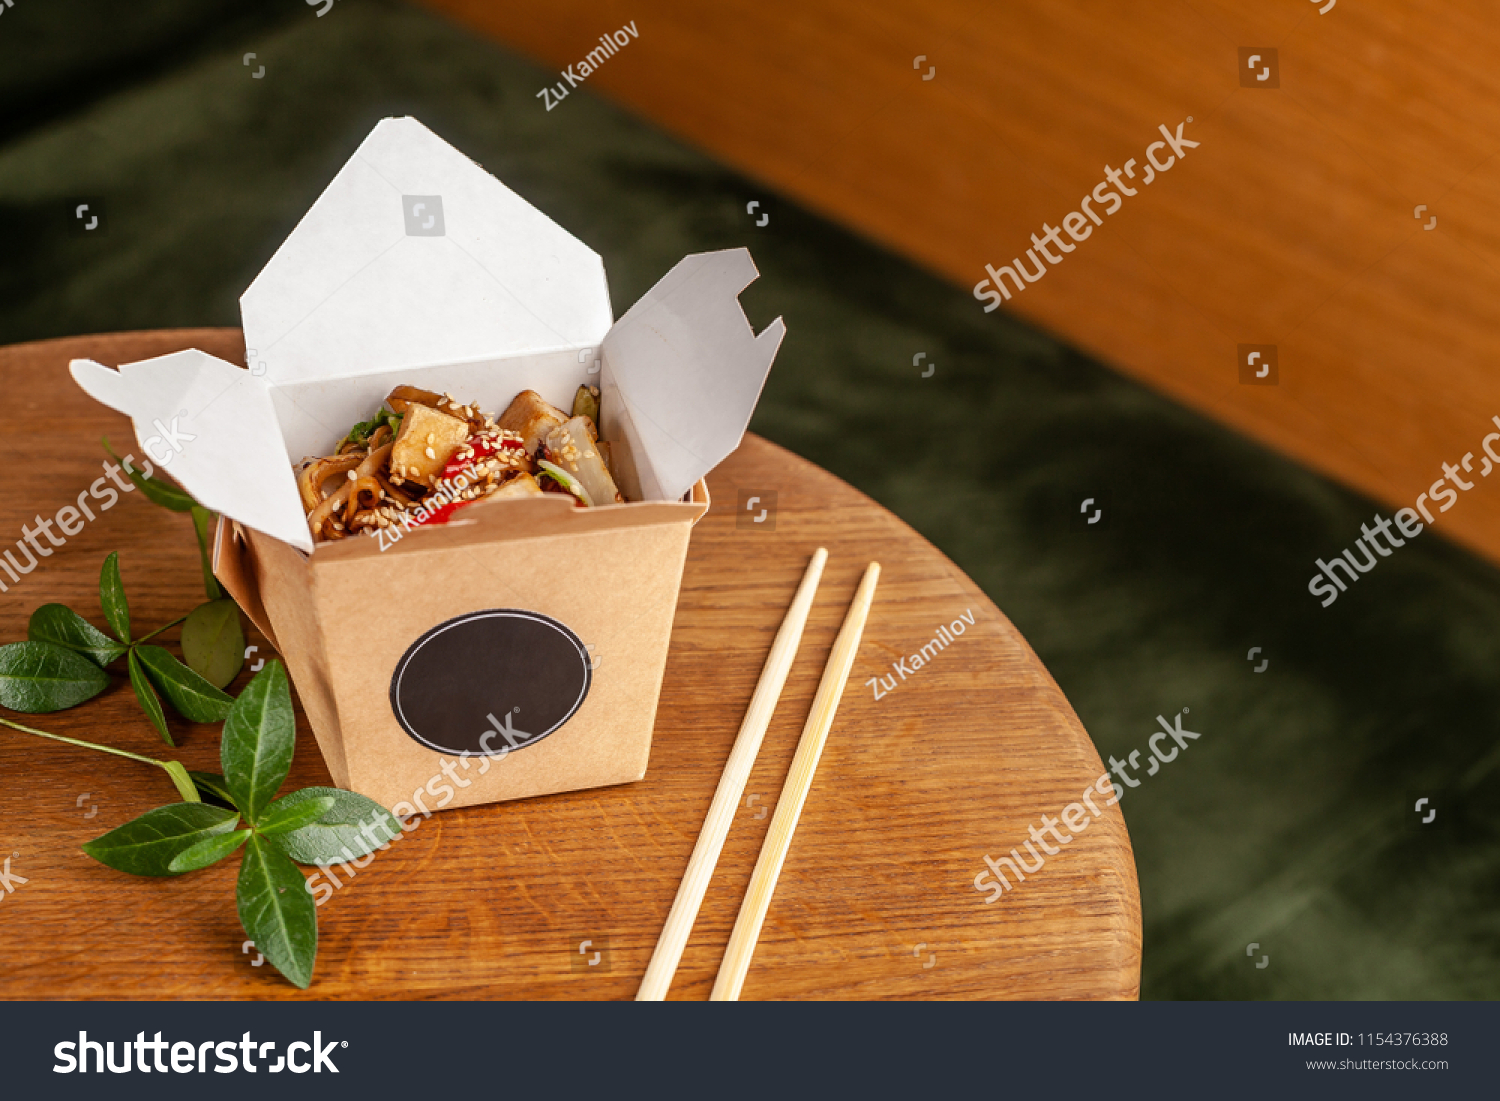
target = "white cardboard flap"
x: 416, y: 266
x: 212, y: 426
x: 682, y: 371
x: 416, y: 255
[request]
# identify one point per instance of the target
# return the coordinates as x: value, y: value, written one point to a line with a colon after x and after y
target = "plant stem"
x: 158, y: 631
x: 85, y: 745
x: 180, y: 778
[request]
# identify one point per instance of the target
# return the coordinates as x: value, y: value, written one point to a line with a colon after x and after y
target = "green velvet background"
x: 1288, y: 823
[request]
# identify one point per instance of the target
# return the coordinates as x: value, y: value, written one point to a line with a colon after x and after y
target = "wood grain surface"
x: 876, y: 899
x: 1295, y: 221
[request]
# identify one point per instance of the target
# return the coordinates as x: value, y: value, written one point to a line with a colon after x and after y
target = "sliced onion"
x: 566, y: 480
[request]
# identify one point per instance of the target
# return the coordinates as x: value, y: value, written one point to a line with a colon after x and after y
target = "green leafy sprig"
x: 314, y: 825
x: 62, y: 662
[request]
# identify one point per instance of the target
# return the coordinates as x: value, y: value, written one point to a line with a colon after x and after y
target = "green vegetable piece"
x: 147, y: 845
x: 168, y: 496
x: 112, y: 597
x: 37, y: 677
x: 201, y: 520
x: 359, y: 433
x: 62, y: 626
x: 365, y: 429
x: 586, y: 403
x: 259, y: 738
x: 210, y: 850
x: 192, y: 697
x: 277, y: 911
x: 566, y: 480
x: 214, y: 642
x: 147, y: 696
x: 354, y: 826
x: 212, y: 785
x: 283, y: 817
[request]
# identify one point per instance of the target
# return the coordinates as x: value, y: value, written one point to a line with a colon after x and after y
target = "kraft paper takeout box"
x: 529, y: 634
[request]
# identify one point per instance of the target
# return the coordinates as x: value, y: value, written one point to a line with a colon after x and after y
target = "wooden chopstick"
x: 700, y: 869
x: 794, y: 793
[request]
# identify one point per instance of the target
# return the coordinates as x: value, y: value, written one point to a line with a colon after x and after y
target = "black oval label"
x: 490, y: 682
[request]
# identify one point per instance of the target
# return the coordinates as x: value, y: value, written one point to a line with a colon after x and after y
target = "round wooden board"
x: 876, y: 900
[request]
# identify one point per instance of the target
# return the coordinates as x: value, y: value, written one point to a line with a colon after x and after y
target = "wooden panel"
x: 876, y: 900
x: 1292, y: 223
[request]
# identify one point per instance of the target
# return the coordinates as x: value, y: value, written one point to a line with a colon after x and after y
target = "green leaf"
x: 201, y: 519
x: 364, y: 429
x: 147, y: 845
x: 112, y: 597
x: 183, y: 781
x: 278, y: 912
x: 210, y: 850
x: 189, y: 694
x: 213, y: 641
x: 259, y: 737
x: 164, y: 494
x: 283, y: 817
x: 147, y: 695
x: 354, y: 826
x: 37, y: 677
x: 62, y: 626
x: 212, y: 785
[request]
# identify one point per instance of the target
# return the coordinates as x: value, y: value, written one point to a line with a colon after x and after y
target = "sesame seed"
x: 429, y: 452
